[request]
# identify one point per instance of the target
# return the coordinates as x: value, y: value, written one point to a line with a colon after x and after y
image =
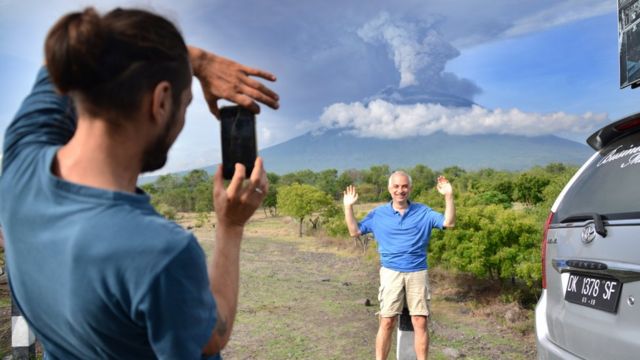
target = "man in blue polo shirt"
x: 402, y: 230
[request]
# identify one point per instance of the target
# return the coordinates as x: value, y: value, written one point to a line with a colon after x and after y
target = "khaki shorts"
x: 393, y: 287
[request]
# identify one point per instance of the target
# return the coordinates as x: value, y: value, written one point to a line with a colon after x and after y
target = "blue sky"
x: 535, y: 68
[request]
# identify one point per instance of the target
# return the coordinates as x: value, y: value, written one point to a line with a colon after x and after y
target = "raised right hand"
x: 350, y: 196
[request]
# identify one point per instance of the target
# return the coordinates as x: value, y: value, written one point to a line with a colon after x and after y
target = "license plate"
x: 594, y: 292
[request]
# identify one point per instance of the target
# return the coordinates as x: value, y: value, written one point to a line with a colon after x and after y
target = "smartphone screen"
x: 238, y: 139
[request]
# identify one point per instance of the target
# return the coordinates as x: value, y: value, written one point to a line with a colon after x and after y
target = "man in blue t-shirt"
x: 95, y: 270
x: 402, y: 230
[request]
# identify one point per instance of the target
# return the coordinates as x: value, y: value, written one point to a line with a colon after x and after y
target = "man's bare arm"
x: 444, y: 188
x: 234, y: 206
x: 222, y: 78
x: 350, y: 198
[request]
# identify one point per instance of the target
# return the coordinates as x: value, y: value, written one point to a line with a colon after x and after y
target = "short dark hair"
x: 109, y: 62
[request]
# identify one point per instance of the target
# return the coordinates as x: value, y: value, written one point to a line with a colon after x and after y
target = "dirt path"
x: 302, y: 299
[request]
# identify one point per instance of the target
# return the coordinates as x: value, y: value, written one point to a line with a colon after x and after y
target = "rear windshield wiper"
x: 597, y: 221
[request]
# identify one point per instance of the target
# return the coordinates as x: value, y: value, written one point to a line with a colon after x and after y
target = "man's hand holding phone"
x: 235, y: 204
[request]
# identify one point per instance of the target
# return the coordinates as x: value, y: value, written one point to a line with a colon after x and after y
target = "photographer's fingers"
x: 258, y: 72
x: 256, y: 95
x: 235, y: 186
x: 245, y: 101
x: 260, y: 92
x: 218, y: 182
x: 258, y: 183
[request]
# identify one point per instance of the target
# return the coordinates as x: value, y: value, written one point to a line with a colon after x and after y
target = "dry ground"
x: 304, y: 298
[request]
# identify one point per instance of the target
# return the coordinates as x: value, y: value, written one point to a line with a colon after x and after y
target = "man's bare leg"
x: 383, y: 339
x: 421, y: 337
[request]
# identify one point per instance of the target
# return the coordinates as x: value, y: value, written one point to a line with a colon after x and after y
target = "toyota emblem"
x: 588, y: 234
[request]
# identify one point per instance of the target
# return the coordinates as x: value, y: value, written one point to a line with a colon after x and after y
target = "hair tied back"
x: 73, y: 50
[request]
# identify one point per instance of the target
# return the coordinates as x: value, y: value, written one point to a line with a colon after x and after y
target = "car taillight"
x: 628, y: 125
x: 544, y: 249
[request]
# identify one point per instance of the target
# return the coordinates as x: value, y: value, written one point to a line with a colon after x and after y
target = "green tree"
x: 348, y: 177
x: 166, y: 182
x: 556, y: 168
x: 490, y: 241
x: 453, y: 172
x: 273, y: 178
x: 378, y: 177
x: 327, y: 181
x: 367, y: 193
x: 270, y: 202
x: 203, y: 197
x: 194, y: 178
x: 301, y: 201
x: 149, y: 188
x: 423, y: 179
x: 504, y: 187
x: 528, y: 188
x: 301, y: 177
x: 333, y: 221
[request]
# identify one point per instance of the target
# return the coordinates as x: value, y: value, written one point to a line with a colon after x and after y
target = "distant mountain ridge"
x: 335, y: 149
x: 339, y: 150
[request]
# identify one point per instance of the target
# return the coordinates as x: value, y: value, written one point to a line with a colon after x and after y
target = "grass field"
x: 304, y: 298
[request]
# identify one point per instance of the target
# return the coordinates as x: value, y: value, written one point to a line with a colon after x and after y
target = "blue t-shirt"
x: 97, y: 274
x: 402, y: 239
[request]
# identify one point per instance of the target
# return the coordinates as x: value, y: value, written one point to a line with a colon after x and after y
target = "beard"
x: 155, y: 155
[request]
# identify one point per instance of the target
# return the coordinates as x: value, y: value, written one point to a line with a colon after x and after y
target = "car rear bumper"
x: 547, y: 350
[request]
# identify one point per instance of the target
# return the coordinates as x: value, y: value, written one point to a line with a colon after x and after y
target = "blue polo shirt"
x: 402, y: 238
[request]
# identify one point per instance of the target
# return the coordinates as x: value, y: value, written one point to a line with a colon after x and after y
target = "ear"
x: 161, y: 103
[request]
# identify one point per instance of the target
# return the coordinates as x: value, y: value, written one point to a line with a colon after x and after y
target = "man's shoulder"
x: 420, y: 206
x: 150, y: 224
x: 138, y: 230
x: 423, y: 209
x: 378, y: 210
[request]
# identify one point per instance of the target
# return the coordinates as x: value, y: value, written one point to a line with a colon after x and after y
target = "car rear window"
x: 610, y: 186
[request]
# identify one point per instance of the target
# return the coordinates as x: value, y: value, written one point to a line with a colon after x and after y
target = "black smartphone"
x: 238, y: 139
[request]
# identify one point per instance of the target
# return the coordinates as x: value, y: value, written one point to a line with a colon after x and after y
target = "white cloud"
x: 561, y: 13
x: 381, y: 119
x: 265, y: 134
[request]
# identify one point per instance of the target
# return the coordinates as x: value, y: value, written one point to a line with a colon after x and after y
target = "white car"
x: 590, y: 303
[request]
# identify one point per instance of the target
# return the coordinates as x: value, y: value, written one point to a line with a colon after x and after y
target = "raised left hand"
x: 444, y: 186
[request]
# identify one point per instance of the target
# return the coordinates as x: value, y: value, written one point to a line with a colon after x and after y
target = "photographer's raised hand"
x: 222, y: 78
